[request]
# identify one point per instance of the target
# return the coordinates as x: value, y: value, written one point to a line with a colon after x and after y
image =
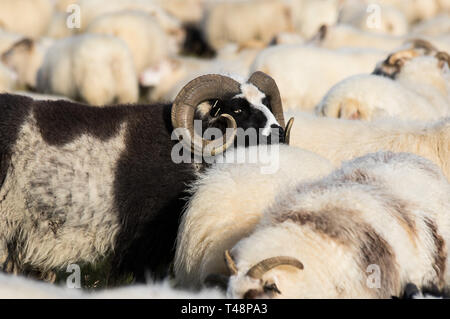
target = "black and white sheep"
x: 80, y: 182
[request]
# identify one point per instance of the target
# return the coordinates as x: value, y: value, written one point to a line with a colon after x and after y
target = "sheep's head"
x: 231, y: 106
x: 394, y: 63
x: 258, y: 281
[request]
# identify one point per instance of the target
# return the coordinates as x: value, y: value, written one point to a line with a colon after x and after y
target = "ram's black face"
x: 256, y: 124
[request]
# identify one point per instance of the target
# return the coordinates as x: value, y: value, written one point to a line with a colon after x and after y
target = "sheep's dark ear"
x: 24, y: 45
x: 443, y: 58
x: 322, y: 33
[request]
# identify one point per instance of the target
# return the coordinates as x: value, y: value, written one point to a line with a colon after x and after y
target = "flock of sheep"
x: 360, y: 192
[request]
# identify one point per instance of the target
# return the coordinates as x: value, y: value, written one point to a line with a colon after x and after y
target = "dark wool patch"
x: 149, y: 195
x: 440, y: 256
x: 64, y: 121
x: 14, y: 110
x: 346, y: 228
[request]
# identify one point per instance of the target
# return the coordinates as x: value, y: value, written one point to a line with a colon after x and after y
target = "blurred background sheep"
x: 308, y: 46
x: 360, y: 60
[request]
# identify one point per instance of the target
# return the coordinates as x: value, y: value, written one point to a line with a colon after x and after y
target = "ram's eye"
x: 237, y: 111
x: 271, y: 288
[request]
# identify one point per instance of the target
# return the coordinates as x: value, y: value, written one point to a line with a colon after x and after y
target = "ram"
x: 365, y: 231
x: 228, y: 201
x: 427, y: 75
x: 340, y: 140
x: 414, y: 88
x: 80, y: 182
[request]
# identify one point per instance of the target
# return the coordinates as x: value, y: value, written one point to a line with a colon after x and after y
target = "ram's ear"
x: 23, y: 46
x: 444, y: 59
x: 322, y: 33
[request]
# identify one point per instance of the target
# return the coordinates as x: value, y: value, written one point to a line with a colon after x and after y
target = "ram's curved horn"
x: 230, y: 263
x: 201, y: 89
x: 287, y: 131
x: 265, y: 265
x: 423, y: 44
x: 401, y: 56
x: 268, y: 86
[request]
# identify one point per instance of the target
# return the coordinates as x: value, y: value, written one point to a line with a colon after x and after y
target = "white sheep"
x: 420, y: 90
x: 365, y: 231
x: 368, y: 97
x: 14, y: 287
x: 28, y: 17
x: 444, y: 6
x: 374, y: 18
x: 58, y: 27
x: 97, y: 69
x: 63, y: 5
x: 439, y: 25
x: 342, y: 35
x: 305, y: 73
x: 187, y: 11
x: 416, y: 10
x: 140, y: 31
x: 227, y: 202
x: 7, y: 39
x: 339, y: 140
x: 249, y: 23
x: 309, y: 15
x: 92, y: 9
